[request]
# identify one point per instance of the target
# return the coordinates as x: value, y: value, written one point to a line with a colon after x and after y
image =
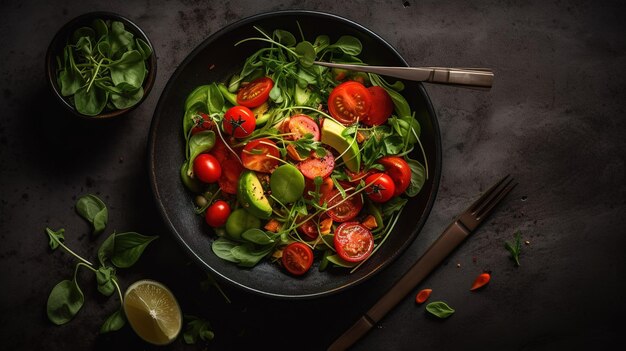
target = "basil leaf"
x: 215, y: 99
x: 336, y: 260
x: 418, y: 177
x: 248, y: 255
x: 393, y: 205
x: 105, y: 251
x: 55, y: 237
x: 439, y: 309
x: 199, y: 143
x: 197, y: 328
x: 257, y: 236
x: 128, y: 248
x: 64, y: 302
x: 94, y: 210
x: 222, y: 248
x: 104, y: 278
x: 114, y: 322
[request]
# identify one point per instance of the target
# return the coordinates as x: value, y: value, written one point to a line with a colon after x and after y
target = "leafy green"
x: 64, y: 302
x: 114, y: 322
x: 515, y: 248
x: 197, y: 329
x: 93, y: 210
x: 97, y: 62
x: 418, y: 177
x: 439, y: 309
x: 129, y: 247
x: 55, y: 237
x: 104, y: 278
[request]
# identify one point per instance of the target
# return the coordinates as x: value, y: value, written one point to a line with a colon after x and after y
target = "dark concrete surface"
x: 554, y: 120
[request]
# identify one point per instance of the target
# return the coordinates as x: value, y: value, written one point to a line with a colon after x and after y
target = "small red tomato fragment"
x: 202, y: 123
x: 255, y: 93
x: 297, y: 258
x: 381, y: 107
x: 481, y: 281
x: 260, y: 155
x: 300, y: 125
x: 217, y: 214
x: 423, y: 295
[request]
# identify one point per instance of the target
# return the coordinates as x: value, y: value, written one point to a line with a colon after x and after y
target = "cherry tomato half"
x: 346, y: 209
x: 381, y: 187
x: 217, y: 214
x: 300, y: 125
x: 255, y: 156
x: 239, y: 121
x: 297, y: 258
x: 353, y: 241
x: 317, y: 167
x: 381, y: 107
x: 309, y: 228
x: 206, y: 168
x: 349, y: 101
x: 398, y: 169
x: 255, y: 93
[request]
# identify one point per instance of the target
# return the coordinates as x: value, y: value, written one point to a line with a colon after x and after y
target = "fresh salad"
x: 294, y: 162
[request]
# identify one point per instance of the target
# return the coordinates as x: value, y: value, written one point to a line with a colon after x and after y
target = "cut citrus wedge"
x: 153, y: 312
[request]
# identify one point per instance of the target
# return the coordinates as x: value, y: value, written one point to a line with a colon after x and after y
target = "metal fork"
x: 481, y: 78
x: 451, y: 238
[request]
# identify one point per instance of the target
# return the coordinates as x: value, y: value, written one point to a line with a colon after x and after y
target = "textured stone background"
x: 554, y: 119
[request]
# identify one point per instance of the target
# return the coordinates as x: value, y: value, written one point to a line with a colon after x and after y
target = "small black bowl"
x: 59, y: 42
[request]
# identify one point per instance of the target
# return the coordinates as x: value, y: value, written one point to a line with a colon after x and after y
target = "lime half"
x: 153, y: 312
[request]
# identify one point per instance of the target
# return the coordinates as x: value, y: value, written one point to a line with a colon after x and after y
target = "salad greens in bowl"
x: 286, y: 178
x: 100, y: 65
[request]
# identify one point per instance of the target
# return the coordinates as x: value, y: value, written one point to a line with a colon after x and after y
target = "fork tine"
x: 485, y: 197
x: 490, y: 203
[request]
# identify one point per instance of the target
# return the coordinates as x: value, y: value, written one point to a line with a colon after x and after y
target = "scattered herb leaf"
x: 515, y: 247
x: 440, y: 309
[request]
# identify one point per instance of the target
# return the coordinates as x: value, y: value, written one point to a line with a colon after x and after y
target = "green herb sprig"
x: 515, y: 248
x: 119, y: 250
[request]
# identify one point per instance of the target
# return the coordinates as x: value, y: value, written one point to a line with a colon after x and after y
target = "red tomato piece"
x: 398, y: 169
x: 325, y: 188
x: 309, y: 229
x: 239, y: 121
x: 217, y: 214
x: 381, y: 187
x: 207, y: 168
x: 340, y: 209
x: 317, y: 167
x: 349, y: 101
x: 423, y: 295
x: 297, y: 258
x: 256, y: 155
x: 231, y: 170
x: 203, y: 123
x: 255, y: 93
x: 300, y: 125
x: 381, y: 107
x: 353, y: 241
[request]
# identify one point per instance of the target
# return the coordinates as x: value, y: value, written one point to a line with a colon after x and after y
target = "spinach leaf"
x: 439, y: 309
x: 94, y: 210
x: 222, y: 248
x: 64, y: 302
x: 55, y: 237
x: 144, y: 48
x: 100, y: 27
x: 104, y: 278
x: 284, y: 37
x: 306, y: 53
x: 83, y: 32
x: 348, y: 45
x: 70, y: 79
x: 114, y: 322
x: 392, y: 206
x: 130, y: 68
x: 418, y: 177
x: 121, y: 40
x: 192, y: 184
x: 106, y: 249
x: 336, y: 260
x: 248, y: 255
x: 127, y: 100
x: 197, y: 329
x: 90, y: 102
x: 129, y: 247
x: 321, y: 42
x: 215, y: 99
x: 257, y: 236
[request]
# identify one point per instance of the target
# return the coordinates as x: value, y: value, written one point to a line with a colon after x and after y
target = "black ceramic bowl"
x: 215, y: 60
x: 59, y: 42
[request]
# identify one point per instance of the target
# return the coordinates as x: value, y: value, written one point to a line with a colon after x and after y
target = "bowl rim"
x: 62, y: 33
x: 191, y: 252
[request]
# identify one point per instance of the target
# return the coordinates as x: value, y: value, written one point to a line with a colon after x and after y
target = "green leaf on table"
x: 104, y: 278
x: 197, y: 329
x: 515, y: 248
x: 64, y: 302
x: 128, y: 248
x: 93, y: 210
x: 439, y: 309
x: 106, y: 249
x: 114, y: 322
x: 55, y: 237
